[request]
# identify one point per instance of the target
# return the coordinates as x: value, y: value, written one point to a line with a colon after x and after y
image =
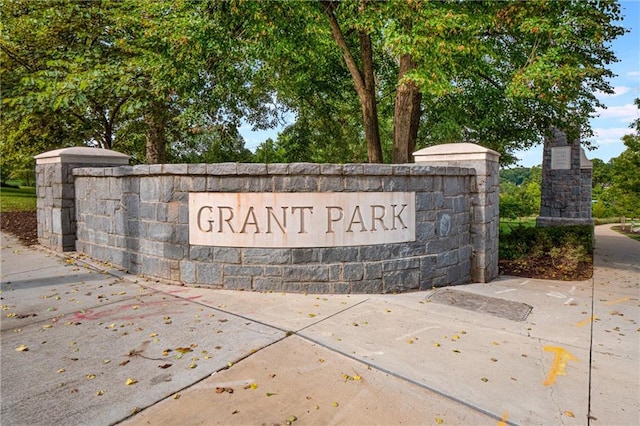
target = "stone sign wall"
x: 321, y: 228
x: 566, y: 183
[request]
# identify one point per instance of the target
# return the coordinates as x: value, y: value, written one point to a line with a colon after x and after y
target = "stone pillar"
x: 485, y: 200
x: 566, y: 183
x: 56, y: 192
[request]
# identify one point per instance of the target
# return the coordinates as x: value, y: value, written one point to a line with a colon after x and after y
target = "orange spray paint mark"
x: 615, y: 302
x: 503, y: 419
x: 586, y: 321
x: 558, y: 368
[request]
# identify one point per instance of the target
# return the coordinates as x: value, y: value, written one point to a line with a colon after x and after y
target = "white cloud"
x: 617, y: 91
x: 610, y: 136
x: 624, y: 113
x: 633, y: 74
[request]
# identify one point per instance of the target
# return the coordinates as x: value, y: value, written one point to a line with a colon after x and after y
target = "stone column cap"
x: 585, y: 163
x: 456, y: 151
x: 82, y: 154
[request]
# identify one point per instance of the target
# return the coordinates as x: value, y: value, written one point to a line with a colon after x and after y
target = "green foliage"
x: 616, y: 184
x: 160, y: 79
x: 17, y: 199
x: 520, y: 192
x: 568, y: 244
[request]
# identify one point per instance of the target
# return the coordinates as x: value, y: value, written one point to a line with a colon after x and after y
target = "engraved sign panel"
x: 278, y: 219
x: 561, y: 158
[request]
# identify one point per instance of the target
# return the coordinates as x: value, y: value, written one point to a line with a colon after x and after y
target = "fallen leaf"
x: 439, y: 420
x: 455, y: 350
x: 22, y: 348
x: 90, y: 376
x: 47, y: 326
x: 61, y: 370
x: 220, y: 390
x: 176, y: 396
x: 484, y: 379
x: 131, y: 381
x: 125, y: 362
x: 569, y: 413
x: 254, y: 386
x: 335, y: 404
x: 410, y: 341
x: 100, y: 392
x: 165, y: 365
x: 312, y: 315
x: 184, y: 350
x: 271, y: 394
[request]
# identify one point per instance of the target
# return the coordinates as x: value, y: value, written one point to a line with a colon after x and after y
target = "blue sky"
x: 612, y: 122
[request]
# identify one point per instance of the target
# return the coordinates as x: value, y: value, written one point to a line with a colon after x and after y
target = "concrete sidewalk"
x: 105, y: 347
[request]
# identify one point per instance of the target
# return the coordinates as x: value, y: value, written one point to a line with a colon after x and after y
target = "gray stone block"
x: 229, y: 255
x: 302, y: 273
x: 304, y: 169
x: 367, y: 286
x: 252, y: 256
x: 201, y: 253
x: 272, y: 271
x: 303, y: 255
x: 278, y: 169
x: 372, y: 270
x: 400, y: 264
x: 187, y: 272
x: 208, y: 273
x: 331, y: 169
x: 174, y: 251
x: 364, y: 183
x: 353, y: 169
x: 353, y: 272
x: 339, y: 288
x: 330, y: 184
x: 242, y: 270
x: 399, y: 281
x: 339, y: 254
x: 295, y: 183
x: 267, y: 284
x: 222, y: 169
x: 237, y: 283
x: 252, y: 169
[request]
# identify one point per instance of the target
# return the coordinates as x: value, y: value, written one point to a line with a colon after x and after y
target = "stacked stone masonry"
x: 566, y: 192
x: 137, y: 217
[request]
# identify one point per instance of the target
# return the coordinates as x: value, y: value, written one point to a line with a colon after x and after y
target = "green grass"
x: 17, y: 199
x: 506, y: 226
x: 632, y: 235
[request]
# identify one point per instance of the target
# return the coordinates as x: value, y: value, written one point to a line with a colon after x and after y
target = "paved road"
x: 104, y: 347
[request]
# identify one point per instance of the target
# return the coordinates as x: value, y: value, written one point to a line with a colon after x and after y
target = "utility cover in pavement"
x: 475, y: 302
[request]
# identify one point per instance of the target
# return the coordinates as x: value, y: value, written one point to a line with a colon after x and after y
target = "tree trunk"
x: 368, y: 102
x: 156, y: 141
x: 363, y: 80
x: 406, y: 114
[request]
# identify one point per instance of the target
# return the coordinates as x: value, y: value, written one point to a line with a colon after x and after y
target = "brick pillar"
x: 56, y: 191
x: 566, y: 183
x: 485, y: 199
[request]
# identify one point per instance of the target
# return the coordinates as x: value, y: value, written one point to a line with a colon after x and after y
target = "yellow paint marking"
x: 558, y: 368
x: 614, y: 302
x: 586, y: 321
x: 503, y: 419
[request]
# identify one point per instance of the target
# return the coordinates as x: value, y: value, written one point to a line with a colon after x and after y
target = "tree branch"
x: 338, y: 36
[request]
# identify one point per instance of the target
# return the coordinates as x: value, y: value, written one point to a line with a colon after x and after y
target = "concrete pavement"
x: 105, y: 347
